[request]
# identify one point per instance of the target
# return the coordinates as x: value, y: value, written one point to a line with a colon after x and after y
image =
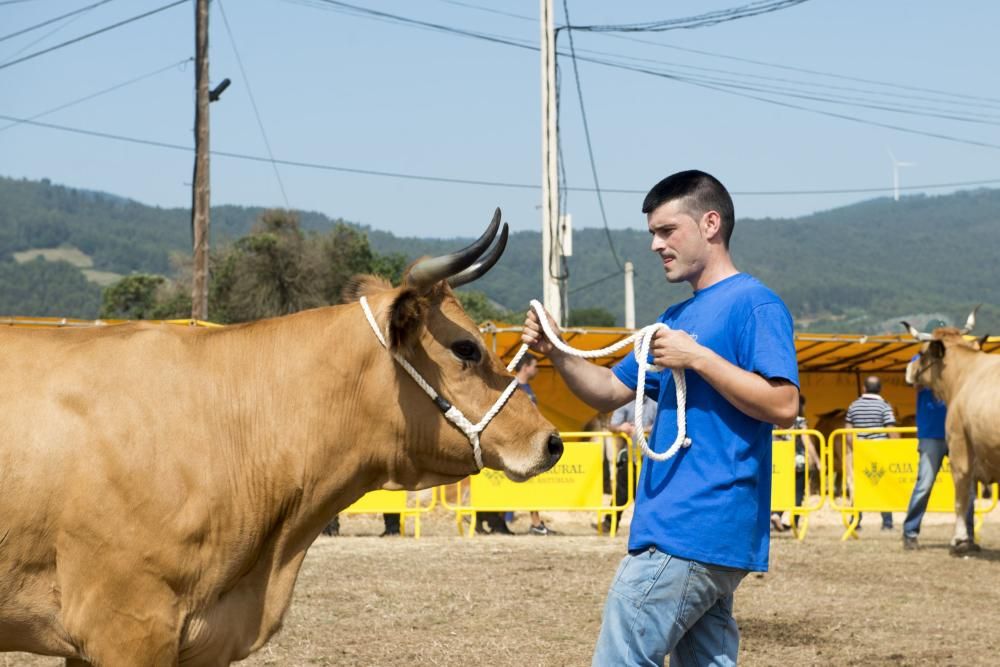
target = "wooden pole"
x: 200, y: 199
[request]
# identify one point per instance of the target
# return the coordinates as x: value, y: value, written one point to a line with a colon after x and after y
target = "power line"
x: 590, y: 148
x: 45, y: 36
x: 53, y: 20
x: 90, y: 34
x: 507, y: 41
x: 467, y: 181
x: 803, y: 70
x: 699, y: 21
x: 597, y: 282
x: 99, y: 93
x: 253, y: 103
x: 713, y: 54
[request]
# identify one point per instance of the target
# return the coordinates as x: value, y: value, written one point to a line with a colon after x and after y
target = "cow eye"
x: 466, y: 350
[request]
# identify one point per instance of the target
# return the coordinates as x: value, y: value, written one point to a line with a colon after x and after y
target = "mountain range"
x: 859, y: 268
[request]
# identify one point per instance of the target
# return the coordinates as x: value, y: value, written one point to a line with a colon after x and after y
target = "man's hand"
x: 625, y: 427
x: 534, y: 336
x: 675, y: 349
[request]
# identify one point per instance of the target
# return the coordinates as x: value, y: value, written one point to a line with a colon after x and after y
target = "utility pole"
x: 200, y: 200
x: 629, y: 296
x: 551, y: 261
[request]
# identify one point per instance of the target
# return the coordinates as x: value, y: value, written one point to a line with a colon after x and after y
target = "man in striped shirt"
x: 870, y: 410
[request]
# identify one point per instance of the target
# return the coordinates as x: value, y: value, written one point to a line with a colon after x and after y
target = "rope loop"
x: 641, y: 341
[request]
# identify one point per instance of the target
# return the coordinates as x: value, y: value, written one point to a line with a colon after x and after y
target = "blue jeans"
x: 932, y: 452
x: 661, y: 604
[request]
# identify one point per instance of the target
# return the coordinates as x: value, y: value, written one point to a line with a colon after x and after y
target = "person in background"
x: 524, y: 371
x: 869, y: 410
x: 932, y: 447
x: 623, y: 421
x: 806, y: 454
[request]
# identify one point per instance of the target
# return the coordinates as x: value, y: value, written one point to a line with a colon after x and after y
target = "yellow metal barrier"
x: 405, y: 503
x: 783, y: 476
x: 878, y: 475
x: 573, y: 484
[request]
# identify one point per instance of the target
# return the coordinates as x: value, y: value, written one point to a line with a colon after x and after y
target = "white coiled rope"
x: 641, y: 341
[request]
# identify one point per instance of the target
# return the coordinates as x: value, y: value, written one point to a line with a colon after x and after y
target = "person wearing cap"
x: 932, y: 447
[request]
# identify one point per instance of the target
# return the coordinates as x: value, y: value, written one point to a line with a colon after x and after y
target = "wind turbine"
x: 896, y: 164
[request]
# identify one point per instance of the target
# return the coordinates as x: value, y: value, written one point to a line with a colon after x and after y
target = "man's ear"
x: 711, y: 222
x: 407, y: 315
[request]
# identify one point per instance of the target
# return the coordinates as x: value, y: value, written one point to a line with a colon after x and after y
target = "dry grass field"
x: 523, y: 601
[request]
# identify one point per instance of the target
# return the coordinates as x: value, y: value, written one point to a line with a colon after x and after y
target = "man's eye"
x: 466, y: 350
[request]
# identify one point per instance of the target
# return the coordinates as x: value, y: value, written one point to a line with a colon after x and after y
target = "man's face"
x: 530, y: 370
x: 679, y: 240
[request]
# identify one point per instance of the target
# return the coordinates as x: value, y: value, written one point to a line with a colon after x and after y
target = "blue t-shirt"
x: 931, y: 413
x: 711, y: 502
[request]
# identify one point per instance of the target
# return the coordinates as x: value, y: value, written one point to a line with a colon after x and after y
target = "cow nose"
x: 555, y: 447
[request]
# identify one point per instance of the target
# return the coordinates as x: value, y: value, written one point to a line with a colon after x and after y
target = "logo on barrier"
x: 494, y: 477
x: 874, y: 473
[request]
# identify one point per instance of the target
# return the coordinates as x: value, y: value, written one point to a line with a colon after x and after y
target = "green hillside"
x: 857, y: 268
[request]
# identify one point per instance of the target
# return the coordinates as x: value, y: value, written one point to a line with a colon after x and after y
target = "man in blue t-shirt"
x: 701, y: 518
x: 932, y: 446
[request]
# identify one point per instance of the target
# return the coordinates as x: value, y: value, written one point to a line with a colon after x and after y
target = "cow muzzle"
x: 549, y: 451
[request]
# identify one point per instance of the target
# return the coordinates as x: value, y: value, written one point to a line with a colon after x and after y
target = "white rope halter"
x: 451, y: 413
x: 641, y: 340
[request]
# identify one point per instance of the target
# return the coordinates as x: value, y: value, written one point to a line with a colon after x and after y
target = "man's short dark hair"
x: 873, y: 385
x: 702, y: 193
x: 524, y: 361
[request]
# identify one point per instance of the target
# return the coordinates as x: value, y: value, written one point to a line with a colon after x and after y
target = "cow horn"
x: 485, y: 262
x: 971, y: 322
x: 916, y: 334
x: 428, y: 271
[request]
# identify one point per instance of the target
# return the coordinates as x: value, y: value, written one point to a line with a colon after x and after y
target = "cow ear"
x: 936, y: 349
x: 406, y: 316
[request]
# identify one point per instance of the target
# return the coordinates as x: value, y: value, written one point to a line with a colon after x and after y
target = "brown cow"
x: 968, y: 381
x: 161, y: 485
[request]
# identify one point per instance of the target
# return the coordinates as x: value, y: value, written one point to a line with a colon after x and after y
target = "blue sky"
x: 336, y: 88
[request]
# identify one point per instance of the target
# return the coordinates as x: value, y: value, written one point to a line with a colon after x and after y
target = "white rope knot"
x: 450, y: 412
x: 641, y: 341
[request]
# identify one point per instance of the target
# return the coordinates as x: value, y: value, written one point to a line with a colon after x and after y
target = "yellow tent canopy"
x: 832, y: 368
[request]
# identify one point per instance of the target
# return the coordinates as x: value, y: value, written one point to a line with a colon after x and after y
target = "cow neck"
x: 450, y: 412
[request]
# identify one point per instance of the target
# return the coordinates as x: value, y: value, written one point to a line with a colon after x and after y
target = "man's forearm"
x: 595, y: 385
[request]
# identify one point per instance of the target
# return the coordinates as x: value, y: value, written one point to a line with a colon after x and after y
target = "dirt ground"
x: 526, y: 600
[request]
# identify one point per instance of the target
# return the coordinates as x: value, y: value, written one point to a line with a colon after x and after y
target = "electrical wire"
x: 699, y: 21
x: 10, y: 63
x: 99, y: 93
x: 590, y: 148
x: 53, y: 20
x: 253, y: 103
x: 467, y: 181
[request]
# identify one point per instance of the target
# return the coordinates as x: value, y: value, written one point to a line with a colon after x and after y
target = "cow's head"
x: 938, y: 349
x: 425, y: 324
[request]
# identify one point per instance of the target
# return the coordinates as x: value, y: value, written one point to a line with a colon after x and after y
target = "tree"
x: 593, y: 317
x: 131, y: 298
x: 274, y: 270
x: 479, y: 308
